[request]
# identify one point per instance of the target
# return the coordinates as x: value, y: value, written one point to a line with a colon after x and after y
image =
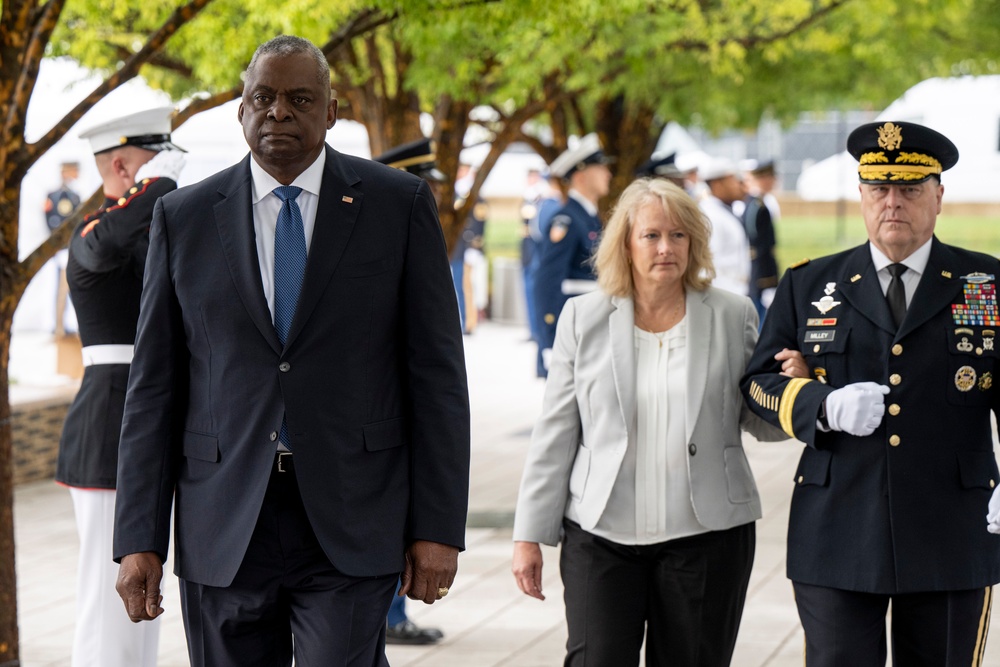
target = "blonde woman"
x: 636, y: 465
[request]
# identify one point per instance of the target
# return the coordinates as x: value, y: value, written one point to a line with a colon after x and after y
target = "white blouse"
x: 650, y: 501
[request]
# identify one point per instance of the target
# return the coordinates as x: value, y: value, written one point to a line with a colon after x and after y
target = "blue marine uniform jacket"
x: 904, y: 509
x: 567, y: 259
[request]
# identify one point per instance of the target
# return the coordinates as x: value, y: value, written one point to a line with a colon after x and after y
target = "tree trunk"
x: 628, y: 133
x: 9, y: 642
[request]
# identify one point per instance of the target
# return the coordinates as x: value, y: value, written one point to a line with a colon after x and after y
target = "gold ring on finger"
x: 442, y: 591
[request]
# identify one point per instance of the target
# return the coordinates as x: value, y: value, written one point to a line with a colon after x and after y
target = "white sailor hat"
x: 584, y: 154
x: 716, y: 168
x: 149, y: 129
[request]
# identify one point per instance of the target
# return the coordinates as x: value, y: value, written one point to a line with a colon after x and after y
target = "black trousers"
x: 684, y: 596
x: 939, y: 629
x: 287, y: 588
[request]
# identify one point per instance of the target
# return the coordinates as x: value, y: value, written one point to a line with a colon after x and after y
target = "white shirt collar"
x: 589, y: 206
x: 310, y: 180
x: 916, y: 262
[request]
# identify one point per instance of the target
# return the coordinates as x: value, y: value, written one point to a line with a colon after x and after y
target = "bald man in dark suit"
x: 310, y: 462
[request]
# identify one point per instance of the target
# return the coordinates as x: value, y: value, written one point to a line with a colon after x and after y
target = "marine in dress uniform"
x: 899, y: 337
x: 564, y: 268
x: 420, y: 159
x: 107, y: 255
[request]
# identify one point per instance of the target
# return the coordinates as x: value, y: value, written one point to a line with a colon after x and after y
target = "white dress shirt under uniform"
x: 916, y: 264
x: 650, y: 501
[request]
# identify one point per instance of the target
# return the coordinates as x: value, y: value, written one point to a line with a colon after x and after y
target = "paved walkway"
x: 486, y: 620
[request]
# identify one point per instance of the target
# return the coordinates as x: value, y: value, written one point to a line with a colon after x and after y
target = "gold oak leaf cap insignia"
x: 900, y: 152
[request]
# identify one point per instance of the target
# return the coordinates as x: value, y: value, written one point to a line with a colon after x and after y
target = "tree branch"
x: 174, y: 22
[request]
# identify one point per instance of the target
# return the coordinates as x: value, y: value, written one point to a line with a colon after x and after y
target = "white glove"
x: 857, y: 408
x: 767, y: 296
x: 165, y: 164
x: 993, y: 518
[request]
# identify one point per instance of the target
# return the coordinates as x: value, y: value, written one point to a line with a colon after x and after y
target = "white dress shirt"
x: 916, y: 264
x: 650, y: 501
x: 266, y: 206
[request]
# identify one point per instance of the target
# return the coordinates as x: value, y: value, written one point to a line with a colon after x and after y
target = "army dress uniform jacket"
x: 902, y: 510
x: 107, y: 256
x: 565, y: 259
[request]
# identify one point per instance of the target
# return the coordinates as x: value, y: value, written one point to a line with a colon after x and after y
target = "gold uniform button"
x: 894, y: 409
x: 801, y: 479
x: 894, y: 440
x: 133, y: 190
x: 992, y: 483
x: 895, y: 379
x: 816, y: 347
x: 121, y: 202
x: 897, y: 350
x: 979, y: 351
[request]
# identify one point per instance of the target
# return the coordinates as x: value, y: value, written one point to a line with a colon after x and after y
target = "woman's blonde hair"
x: 611, y: 259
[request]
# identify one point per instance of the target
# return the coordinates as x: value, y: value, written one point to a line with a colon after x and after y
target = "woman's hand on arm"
x: 527, y: 568
x: 793, y: 364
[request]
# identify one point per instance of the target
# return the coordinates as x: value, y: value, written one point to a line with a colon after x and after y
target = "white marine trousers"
x: 104, y: 637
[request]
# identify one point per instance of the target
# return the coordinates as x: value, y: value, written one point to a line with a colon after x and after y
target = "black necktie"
x: 896, y: 295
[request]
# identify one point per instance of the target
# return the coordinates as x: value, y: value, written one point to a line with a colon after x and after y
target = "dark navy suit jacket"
x: 371, y: 378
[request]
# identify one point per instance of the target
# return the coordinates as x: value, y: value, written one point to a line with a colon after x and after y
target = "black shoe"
x: 409, y: 632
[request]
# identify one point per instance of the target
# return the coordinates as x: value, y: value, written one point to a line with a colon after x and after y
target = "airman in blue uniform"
x: 564, y: 268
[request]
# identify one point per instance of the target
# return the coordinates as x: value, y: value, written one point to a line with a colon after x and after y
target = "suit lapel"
x: 338, y: 209
x: 699, y: 342
x: 620, y: 331
x: 860, y: 287
x: 937, y: 288
x: 234, y: 220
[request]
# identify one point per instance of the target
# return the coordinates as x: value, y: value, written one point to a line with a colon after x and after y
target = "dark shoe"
x: 409, y: 632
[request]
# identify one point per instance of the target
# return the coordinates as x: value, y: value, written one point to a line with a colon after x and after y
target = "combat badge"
x: 830, y: 289
x: 965, y: 378
x: 825, y: 304
x: 985, y: 381
x: 988, y: 335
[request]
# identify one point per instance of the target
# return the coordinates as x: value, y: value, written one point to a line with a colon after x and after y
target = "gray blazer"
x: 589, y: 414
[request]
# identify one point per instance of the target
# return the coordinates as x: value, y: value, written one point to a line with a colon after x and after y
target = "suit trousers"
x: 104, y: 635
x: 287, y: 588
x: 936, y: 629
x: 685, y: 596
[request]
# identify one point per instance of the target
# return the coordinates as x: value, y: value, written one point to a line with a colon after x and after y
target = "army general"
x: 893, y: 484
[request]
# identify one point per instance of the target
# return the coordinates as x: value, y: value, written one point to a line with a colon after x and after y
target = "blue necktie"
x: 289, y: 267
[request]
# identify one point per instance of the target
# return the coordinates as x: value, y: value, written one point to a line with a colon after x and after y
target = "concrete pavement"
x: 485, y: 619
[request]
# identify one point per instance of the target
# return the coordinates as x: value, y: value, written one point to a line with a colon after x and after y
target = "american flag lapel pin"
x: 347, y: 200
